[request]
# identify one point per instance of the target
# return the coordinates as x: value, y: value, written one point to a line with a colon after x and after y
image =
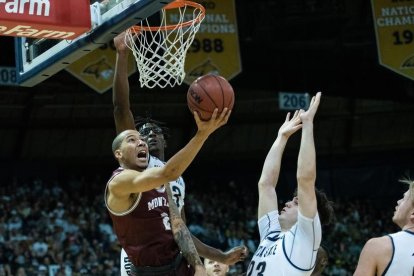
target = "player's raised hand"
x: 216, y: 121
x: 234, y: 255
x: 291, y: 125
x: 308, y: 115
x: 122, y: 43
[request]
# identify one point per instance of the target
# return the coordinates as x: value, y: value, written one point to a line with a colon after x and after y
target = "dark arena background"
x: 55, y: 154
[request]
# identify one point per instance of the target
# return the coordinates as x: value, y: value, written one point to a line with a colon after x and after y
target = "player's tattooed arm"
x: 181, y: 233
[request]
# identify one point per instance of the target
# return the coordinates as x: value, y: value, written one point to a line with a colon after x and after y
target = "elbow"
x: 264, y: 183
x: 120, y: 109
x: 306, y: 177
x: 170, y: 174
x: 266, y: 186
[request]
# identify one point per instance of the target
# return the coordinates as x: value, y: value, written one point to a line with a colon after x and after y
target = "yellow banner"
x: 97, y: 68
x: 394, y: 28
x: 215, y: 48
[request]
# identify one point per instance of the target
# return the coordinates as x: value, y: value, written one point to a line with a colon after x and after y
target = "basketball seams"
x: 204, y: 96
x: 205, y: 92
x: 196, y: 107
x: 222, y: 92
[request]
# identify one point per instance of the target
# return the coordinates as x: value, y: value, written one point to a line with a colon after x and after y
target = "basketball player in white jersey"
x: 289, y: 241
x: 214, y: 268
x: 392, y: 254
x: 154, y: 134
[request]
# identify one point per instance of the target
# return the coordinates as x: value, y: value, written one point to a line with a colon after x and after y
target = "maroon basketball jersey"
x: 144, y: 230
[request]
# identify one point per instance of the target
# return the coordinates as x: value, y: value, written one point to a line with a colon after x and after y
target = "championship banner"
x: 215, y: 48
x: 97, y: 68
x: 394, y: 29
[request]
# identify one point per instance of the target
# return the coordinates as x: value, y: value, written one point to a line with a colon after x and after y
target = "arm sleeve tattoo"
x: 181, y: 233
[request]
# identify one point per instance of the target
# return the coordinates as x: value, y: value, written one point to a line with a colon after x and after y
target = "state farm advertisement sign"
x: 56, y: 19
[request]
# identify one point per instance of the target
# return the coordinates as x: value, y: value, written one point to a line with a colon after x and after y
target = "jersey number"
x: 260, y: 268
x: 166, y: 221
x: 177, y: 195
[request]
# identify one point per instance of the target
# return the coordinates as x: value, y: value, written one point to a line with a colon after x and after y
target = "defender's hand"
x: 290, y: 126
x: 236, y: 254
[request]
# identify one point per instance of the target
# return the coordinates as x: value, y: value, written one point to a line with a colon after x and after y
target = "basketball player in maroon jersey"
x: 138, y: 203
x: 154, y: 135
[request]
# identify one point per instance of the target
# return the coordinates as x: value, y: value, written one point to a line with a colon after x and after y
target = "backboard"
x: 38, y: 59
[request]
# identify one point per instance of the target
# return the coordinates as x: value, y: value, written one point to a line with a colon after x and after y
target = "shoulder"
x: 378, y: 246
x: 121, y: 178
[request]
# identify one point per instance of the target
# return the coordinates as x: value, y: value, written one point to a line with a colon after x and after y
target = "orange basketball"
x: 209, y: 92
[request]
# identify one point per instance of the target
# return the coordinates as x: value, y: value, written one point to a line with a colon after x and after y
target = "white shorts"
x: 125, y: 264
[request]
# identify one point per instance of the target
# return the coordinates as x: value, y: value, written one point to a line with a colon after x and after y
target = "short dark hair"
x: 324, y: 206
x: 116, y: 143
x: 141, y: 121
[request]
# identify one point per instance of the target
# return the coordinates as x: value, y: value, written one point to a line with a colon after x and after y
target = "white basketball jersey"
x: 288, y: 253
x: 402, y: 261
x: 178, y: 193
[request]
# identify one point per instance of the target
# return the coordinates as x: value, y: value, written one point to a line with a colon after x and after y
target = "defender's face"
x: 154, y: 136
x: 289, y: 214
x: 214, y: 268
x: 404, y: 211
x: 134, y: 151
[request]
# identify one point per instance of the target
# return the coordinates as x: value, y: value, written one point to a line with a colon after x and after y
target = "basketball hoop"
x: 160, y: 51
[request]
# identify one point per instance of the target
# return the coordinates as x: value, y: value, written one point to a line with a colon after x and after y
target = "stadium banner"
x: 215, y: 48
x: 394, y: 30
x: 45, y: 18
x: 97, y: 68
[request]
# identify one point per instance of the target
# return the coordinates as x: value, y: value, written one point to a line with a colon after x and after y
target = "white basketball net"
x: 160, y: 52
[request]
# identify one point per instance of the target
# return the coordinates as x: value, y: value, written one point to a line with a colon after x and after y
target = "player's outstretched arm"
x: 230, y: 257
x: 271, y: 167
x: 124, y: 119
x: 306, y: 172
x: 131, y: 181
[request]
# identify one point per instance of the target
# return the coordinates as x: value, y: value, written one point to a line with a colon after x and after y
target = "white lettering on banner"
x: 396, y: 16
x: 395, y: 21
x: 27, y: 31
x: 393, y: 11
x: 42, y: 7
x: 217, y: 28
x: 213, y: 23
x: 216, y: 18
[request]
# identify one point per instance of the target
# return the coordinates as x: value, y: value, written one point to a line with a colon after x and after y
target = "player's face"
x: 214, y: 268
x: 289, y: 214
x: 154, y: 137
x: 404, y: 210
x: 134, y: 151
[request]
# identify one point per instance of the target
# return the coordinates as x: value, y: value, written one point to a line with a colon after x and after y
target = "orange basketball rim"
x: 199, y: 10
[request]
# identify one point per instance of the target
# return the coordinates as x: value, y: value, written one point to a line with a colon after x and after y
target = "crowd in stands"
x: 62, y: 228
